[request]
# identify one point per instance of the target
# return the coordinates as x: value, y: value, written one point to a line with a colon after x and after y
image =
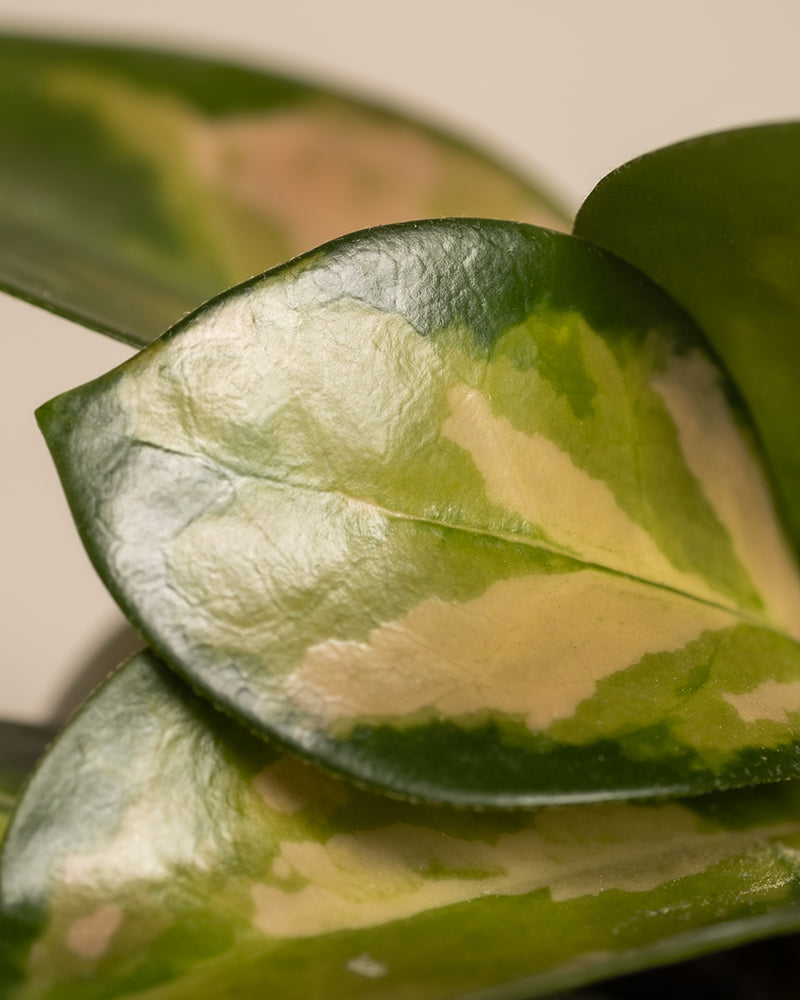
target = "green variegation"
x: 136, y: 184
x: 716, y: 221
x: 162, y: 852
x: 463, y: 509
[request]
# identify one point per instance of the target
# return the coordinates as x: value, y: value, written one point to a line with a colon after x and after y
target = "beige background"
x: 568, y: 89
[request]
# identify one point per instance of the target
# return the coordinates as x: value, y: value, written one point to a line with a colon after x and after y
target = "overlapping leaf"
x: 463, y: 509
x: 162, y: 851
x: 716, y: 221
x: 134, y: 184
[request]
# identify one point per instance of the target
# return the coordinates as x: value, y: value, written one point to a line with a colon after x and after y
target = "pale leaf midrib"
x: 287, y: 484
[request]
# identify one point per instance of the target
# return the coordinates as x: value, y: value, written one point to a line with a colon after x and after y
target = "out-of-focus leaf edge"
x: 71, y: 315
x: 21, y: 746
x: 43, y: 300
x: 685, y: 947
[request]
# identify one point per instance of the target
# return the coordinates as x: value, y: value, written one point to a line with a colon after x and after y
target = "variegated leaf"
x: 162, y: 852
x: 463, y: 509
x: 716, y: 221
x: 135, y: 184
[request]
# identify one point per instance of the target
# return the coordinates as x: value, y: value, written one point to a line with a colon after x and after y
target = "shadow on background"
x: 122, y: 643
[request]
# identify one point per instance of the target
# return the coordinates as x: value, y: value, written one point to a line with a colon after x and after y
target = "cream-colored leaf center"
x: 732, y: 481
x: 531, y: 476
x: 532, y: 647
x: 374, y: 877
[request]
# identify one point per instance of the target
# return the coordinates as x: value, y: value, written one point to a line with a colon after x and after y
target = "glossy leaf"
x: 161, y: 851
x: 716, y: 221
x: 134, y: 184
x: 462, y: 509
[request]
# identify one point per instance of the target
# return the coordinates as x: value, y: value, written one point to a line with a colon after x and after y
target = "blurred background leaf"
x: 136, y: 184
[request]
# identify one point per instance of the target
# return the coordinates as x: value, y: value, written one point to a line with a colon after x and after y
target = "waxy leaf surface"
x: 134, y: 184
x: 716, y: 221
x: 463, y: 509
x: 163, y: 853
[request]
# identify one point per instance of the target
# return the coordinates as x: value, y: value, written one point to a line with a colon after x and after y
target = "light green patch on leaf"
x: 136, y: 184
x: 712, y: 696
x: 176, y: 853
x: 347, y: 503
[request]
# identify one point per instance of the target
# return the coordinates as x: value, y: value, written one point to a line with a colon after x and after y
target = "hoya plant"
x: 463, y: 550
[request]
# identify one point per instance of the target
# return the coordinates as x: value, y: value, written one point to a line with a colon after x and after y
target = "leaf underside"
x: 461, y: 509
x: 136, y: 184
x: 716, y: 221
x: 160, y: 850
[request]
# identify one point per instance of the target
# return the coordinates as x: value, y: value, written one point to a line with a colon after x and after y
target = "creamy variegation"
x: 532, y: 647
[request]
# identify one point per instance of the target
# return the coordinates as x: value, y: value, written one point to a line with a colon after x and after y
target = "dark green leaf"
x: 760, y: 970
x: 716, y: 221
x: 21, y: 745
x: 160, y: 851
x: 134, y: 185
x: 462, y: 509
